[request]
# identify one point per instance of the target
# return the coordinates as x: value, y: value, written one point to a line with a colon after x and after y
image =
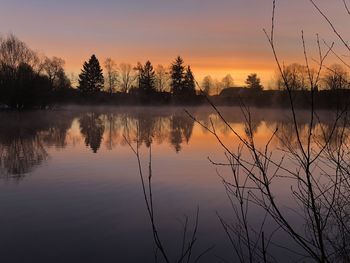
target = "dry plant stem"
x: 308, y: 160
x: 346, y: 7
x: 187, y: 246
x: 331, y: 24
x: 321, y: 202
x: 331, y: 48
x: 148, y: 198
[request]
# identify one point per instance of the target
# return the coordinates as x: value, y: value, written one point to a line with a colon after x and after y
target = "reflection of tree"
x: 56, y: 135
x: 252, y: 129
x: 146, y: 126
x: 92, y: 128
x: 24, y: 138
x: 181, y: 129
x: 287, y: 134
x: 175, y: 136
x: 112, y: 131
x: 21, y: 155
x: 162, y: 129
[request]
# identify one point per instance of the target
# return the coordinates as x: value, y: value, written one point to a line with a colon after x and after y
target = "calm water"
x: 70, y: 189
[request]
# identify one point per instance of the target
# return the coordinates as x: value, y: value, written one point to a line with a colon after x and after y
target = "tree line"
x: 27, y: 79
x: 178, y: 79
x: 143, y: 80
x: 31, y: 80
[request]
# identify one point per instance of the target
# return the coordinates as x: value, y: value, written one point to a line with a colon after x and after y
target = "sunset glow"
x: 215, y: 37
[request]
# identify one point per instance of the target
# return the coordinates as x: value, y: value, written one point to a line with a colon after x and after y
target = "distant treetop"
x: 91, y: 78
x: 253, y: 82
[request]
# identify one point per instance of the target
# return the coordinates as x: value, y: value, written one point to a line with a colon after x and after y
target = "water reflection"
x: 92, y: 128
x: 181, y: 131
x: 26, y: 137
x: 85, y: 185
x: 174, y: 128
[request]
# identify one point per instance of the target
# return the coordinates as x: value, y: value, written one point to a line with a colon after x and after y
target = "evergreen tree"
x: 147, y: 78
x: 253, y: 82
x: 91, y: 78
x: 189, y: 86
x: 177, y: 76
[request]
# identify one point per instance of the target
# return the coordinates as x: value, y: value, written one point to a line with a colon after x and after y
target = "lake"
x: 70, y: 189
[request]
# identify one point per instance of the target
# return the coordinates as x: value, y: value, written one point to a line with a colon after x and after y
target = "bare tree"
x: 336, y: 78
x: 315, y: 166
x: 218, y: 86
x: 53, y: 67
x: 296, y: 75
x: 162, y: 78
x: 127, y: 77
x: 111, y: 75
x: 188, y: 237
x: 227, y: 81
x: 14, y: 52
x: 207, y: 84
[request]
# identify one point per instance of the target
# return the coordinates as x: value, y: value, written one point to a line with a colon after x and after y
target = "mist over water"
x: 70, y: 189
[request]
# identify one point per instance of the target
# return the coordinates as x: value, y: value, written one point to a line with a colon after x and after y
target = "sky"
x: 215, y: 37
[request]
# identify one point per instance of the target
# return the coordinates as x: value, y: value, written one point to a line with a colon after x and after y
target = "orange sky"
x: 215, y: 37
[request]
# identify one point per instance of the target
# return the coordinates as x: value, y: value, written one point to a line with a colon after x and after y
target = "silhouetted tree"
x: 162, y: 78
x: 227, y: 81
x: 296, y: 77
x: 207, y: 85
x: 14, y: 52
x: 62, y: 82
x: 147, y: 79
x: 253, y: 82
x: 127, y: 77
x: 21, y: 84
x: 177, y: 76
x: 91, y: 78
x: 53, y: 69
x: 218, y: 86
x: 189, y: 86
x: 111, y: 75
x: 336, y: 78
x: 22, y: 88
x: 138, y: 72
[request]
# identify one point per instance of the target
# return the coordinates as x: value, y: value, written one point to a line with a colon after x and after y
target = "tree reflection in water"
x: 175, y: 128
x: 24, y: 139
x: 21, y: 155
x: 92, y: 128
x: 181, y: 130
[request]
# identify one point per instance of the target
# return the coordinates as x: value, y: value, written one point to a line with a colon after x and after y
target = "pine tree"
x: 253, y: 82
x: 147, y: 79
x: 189, y: 86
x: 91, y: 79
x: 177, y: 76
